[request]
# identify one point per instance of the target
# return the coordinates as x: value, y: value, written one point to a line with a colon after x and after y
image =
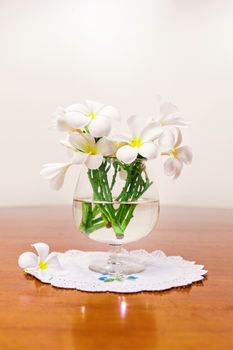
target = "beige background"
x: 121, y: 52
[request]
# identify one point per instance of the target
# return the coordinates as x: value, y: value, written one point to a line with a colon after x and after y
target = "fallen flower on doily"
x: 42, y: 263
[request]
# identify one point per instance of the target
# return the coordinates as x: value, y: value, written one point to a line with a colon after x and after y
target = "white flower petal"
x: 148, y: 150
x: 57, y: 182
x: 118, y: 137
x: 105, y: 147
x: 51, y: 170
x: 173, y: 120
x: 167, y: 108
x: 79, y: 158
x: 77, y: 120
x: 94, y: 161
x: 78, y: 107
x: 60, y: 124
x: 179, y: 137
x: 67, y: 144
x: 94, y: 106
x: 53, y: 261
x: 167, y: 140
x: 28, y: 260
x: 42, y: 250
x: 134, y: 125
x: 127, y: 154
x: 99, y: 127
x: 172, y: 167
x: 55, y: 173
x: 117, y: 145
x: 109, y: 112
x: 59, y: 121
x: 184, y: 154
x: 82, y: 141
x: 151, y: 132
x: 179, y: 166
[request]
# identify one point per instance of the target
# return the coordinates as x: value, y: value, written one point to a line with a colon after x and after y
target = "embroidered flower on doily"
x: 112, y: 278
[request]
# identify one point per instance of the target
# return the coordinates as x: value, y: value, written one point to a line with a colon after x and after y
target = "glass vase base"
x: 119, y: 268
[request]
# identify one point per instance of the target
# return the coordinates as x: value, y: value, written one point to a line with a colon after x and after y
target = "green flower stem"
x: 95, y: 210
x: 92, y: 228
x: 103, y: 181
x: 130, y: 187
x: 98, y: 220
x: 86, y: 214
x: 116, y: 167
x: 128, y: 215
x: 99, y: 215
x: 97, y: 195
x: 138, y: 187
x: 102, y: 192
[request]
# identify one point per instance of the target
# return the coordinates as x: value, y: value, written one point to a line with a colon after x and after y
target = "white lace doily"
x: 162, y: 272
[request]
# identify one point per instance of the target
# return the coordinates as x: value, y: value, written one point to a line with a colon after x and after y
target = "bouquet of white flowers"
x: 94, y: 136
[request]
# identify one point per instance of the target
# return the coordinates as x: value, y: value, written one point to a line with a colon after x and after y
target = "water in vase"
x: 139, y: 217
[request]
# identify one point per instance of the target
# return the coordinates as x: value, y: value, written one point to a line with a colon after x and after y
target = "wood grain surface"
x: 37, y: 316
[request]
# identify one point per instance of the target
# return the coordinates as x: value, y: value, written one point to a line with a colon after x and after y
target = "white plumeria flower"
x: 43, y: 262
x: 177, y: 154
x: 55, y: 172
x: 94, y: 115
x: 59, y: 121
x: 139, y: 140
x: 93, y: 152
x: 167, y: 114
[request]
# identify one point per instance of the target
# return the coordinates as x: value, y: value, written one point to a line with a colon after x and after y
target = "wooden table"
x: 37, y: 316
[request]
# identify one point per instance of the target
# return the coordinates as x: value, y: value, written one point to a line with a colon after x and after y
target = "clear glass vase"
x: 116, y: 204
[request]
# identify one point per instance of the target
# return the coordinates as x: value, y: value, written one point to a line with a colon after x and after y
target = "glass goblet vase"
x: 116, y: 204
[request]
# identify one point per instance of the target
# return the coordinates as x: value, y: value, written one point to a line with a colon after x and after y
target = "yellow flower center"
x: 42, y: 265
x: 136, y: 142
x: 92, y: 115
x: 91, y: 149
x: 171, y: 153
x: 174, y: 153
